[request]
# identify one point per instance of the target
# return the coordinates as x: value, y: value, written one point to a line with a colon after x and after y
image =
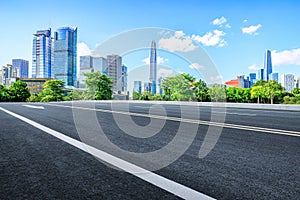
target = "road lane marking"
x: 195, y: 121
x: 148, y: 176
x: 36, y: 107
x: 231, y: 113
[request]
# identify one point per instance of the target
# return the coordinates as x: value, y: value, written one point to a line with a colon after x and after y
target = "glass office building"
x: 65, y: 54
x: 267, y: 65
x: 42, y: 54
x: 22, y: 66
x: 153, y: 67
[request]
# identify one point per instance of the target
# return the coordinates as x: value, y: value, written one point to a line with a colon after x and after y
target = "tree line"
x: 182, y: 87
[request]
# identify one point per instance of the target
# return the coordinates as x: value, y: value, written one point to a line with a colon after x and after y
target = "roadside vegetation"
x: 182, y: 87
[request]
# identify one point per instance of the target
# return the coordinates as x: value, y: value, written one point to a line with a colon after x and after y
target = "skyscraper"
x: 22, y: 66
x: 137, y: 86
x: 287, y: 81
x: 65, y: 54
x: 274, y: 77
x: 252, y: 79
x: 114, y: 71
x: 267, y: 65
x: 260, y: 74
x: 153, y: 67
x: 42, y: 54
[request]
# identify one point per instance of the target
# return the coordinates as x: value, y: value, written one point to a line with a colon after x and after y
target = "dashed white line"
x: 36, y: 107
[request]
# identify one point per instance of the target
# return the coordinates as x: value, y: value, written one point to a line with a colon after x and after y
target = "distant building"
x: 260, y: 74
x: 65, y: 55
x: 240, y: 81
x: 233, y: 83
x: 114, y: 71
x: 267, y: 65
x: 22, y: 66
x: 153, y: 67
x: 98, y: 63
x: 137, y: 86
x: 252, y: 78
x: 287, y: 81
x: 35, y: 85
x: 147, y: 87
x: 274, y: 77
x: 85, y: 62
x: 161, y: 90
x: 42, y: 54
x: 124, y: 79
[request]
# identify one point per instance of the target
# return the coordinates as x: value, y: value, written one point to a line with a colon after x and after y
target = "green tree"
x: 234, y: 94
x: 257, y: 92
x: 19, y: 91
x: 146, y: 96
x: 272, y: 90
x: 260, y: 83
x: 104, y: 88
x: 296, y: 91
x: 217, y: 93
x: 99, y: 86
x: 201, y: 91
x: 179, y: 87
x: 4, y: 95
x: 53, y: 91
x: 246, y: 95
x: 136, y: 95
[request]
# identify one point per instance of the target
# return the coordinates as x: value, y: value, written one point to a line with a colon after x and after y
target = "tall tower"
x: 42, y: 54
x: 267, y: 65
x: 65, y: 55
x: 153, y: 67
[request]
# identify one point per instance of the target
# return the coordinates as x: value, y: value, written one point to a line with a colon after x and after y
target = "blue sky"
x: 234, y: 34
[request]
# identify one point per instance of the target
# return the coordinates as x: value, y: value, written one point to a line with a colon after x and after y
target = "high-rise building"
x: 274, y: 77
x: 260, y: 74
x: 42, y: 54
x: 137, y: 86
x: 153, y: 67
x: 287, y: 81
x: 252, y: 78
x: 85, y: 62
x: 267, y: 65
x: 147, y: 86
x: 124, y: 79
x: 114, y: 71
x: 99, y: 64
x: 65, y: 55
x: 22, y: 66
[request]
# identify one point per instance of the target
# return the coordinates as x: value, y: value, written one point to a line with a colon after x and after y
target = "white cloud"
x: 245, y: 20
x: 216, y: 79
x: 164, y: 72
x: 211, y: 38
x: 219, y: 21
x: 287, y: 57
x: 227, y: 26
x: 196, y: 66
x: 254, y: 67
x: 159, y: 60
x: 251, y: 30
x: 82, y: 50
x: 178, y: 42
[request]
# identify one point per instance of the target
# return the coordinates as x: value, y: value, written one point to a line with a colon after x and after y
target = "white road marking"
x: 195, y: 121
x: 36, y: 107
x: 155, y: 179
x: 231, y: 113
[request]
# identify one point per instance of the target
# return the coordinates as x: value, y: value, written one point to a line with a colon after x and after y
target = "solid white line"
x: 157, y: 180
x: 32, y: 106
x: 194, y: 121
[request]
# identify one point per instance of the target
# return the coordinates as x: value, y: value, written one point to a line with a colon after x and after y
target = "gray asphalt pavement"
x: 244, y: 164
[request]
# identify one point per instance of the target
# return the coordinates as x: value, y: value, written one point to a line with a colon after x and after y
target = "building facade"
x: 274, y: 77
x: 35, y: 85
x: 42, y: 54
x: 267, y: 65
x: 153, y: 67
x: 260, y: 74
x: 252, y: 77
x: 65, y: 55
x: 287, y: 81
x: 22, y: 66
x: 114, y: 71
x: 137, y: 86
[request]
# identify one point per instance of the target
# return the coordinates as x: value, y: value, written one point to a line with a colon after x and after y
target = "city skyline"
x: 234, y: 39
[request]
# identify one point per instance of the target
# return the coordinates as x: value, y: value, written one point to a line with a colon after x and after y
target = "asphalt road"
x: 254, y: 152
